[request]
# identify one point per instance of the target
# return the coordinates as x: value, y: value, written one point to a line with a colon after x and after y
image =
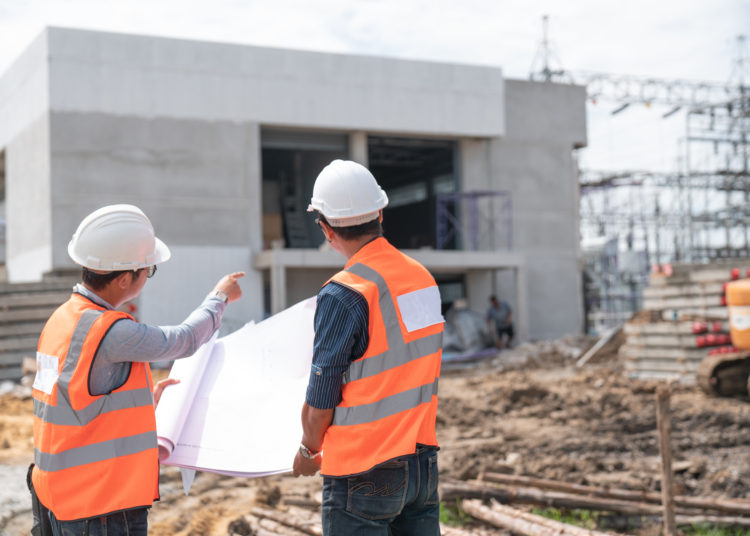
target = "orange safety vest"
x: 389, y: 396
x: 93, y: 455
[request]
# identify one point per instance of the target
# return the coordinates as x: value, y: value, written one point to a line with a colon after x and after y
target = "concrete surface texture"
x: 175, y: 127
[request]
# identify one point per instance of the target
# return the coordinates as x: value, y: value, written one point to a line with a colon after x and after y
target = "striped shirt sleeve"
x: 341, y: 336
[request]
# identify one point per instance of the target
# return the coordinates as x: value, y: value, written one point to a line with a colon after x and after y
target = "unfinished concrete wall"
x: 150, y: 76
x: 197, y: 181
x: 29, y: 231
x: 24, y: 135
x: 173, y: 126
x: 24, y: 90
x: 535, y: 163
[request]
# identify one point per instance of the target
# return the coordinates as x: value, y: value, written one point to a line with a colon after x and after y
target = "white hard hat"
x: 347, y: 194
x: 117, y: 237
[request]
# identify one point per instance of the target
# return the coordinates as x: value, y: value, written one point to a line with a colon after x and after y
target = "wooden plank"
x: 733, y: 506
x: 598, y: 346
x: 520, y: 522
x: 452, y: 489
x: 664, y: 425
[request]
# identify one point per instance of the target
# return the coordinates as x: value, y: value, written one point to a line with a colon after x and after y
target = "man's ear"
x: 327, y: 230
x: 125, y: 279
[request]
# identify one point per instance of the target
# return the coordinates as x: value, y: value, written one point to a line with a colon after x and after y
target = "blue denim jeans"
x: 127, y: 523
x: 399, y: 497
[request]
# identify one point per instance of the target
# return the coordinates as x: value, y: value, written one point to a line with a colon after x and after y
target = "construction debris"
x: 731, y: 506
x: 520, y: 522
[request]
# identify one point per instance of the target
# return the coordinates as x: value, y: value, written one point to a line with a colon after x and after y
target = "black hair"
x: 98, y: 281
x: 372, y: 227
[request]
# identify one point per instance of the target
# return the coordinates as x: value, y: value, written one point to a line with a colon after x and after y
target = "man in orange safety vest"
x: 369, y: 415
x: 96, y: 466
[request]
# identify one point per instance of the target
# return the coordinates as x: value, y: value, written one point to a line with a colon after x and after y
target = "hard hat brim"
x: 161, y: 254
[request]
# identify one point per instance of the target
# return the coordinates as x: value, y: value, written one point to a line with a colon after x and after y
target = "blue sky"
x: 687, y: 39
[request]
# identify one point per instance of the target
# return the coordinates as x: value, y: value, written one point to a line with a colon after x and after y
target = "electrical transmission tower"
x: 698, y: 213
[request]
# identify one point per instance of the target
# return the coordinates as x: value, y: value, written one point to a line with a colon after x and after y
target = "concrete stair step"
x: 19, y: 343
x: 33, y: 299
x: 24, y: 308
x: 20, y: 329
x: 26, y: 315
x: 15, y: 357
x: 62, y: 285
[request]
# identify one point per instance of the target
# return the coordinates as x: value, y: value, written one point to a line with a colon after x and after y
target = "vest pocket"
x: 379, y: 493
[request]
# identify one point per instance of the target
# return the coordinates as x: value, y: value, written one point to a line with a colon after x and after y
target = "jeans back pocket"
x: 379, y: 493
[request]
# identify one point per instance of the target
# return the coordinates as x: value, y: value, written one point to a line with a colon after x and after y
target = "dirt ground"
x: 529, y: 411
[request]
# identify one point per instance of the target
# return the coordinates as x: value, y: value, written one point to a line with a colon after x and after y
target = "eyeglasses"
x: 151, y: 270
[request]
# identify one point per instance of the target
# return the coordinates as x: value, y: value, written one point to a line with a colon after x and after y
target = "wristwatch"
x: 222, y: 295
x: 307, y: 453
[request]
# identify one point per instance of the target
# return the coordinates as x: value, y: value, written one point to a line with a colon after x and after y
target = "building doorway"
x: 291, y: 160
x: 413, y: 172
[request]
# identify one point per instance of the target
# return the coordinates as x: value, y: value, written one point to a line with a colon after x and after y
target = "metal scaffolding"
x: 633, y: 221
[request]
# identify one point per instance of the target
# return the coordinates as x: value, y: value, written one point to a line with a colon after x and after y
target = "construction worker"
x: 96, y: 464
x: 369, y: 414
x: 499, y: 322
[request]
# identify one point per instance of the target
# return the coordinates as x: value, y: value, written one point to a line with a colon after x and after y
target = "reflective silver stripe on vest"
x: 63, y: 413
x: 398, y: 351
x: 397, y: 354
x: 386, y: 407
x: 95, y: 452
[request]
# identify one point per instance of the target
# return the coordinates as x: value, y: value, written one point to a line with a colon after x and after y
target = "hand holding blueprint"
x: 237, y: 407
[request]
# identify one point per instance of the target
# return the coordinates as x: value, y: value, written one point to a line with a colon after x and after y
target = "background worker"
x: 499, y: 321
x: 369, y: 415
x: 96, y: 467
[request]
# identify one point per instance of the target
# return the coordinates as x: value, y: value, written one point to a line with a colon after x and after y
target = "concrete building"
x: 220, y: 144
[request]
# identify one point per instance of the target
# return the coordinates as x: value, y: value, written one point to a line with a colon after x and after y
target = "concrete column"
x: 358, y: 147
x: 278, y: 288
x: 522, y: 304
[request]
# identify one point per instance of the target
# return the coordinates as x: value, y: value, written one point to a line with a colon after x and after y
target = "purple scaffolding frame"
x: 448, y: 226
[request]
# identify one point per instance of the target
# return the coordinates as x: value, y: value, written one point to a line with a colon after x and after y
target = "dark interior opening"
x: 291, y: 161
x: 412, y: 172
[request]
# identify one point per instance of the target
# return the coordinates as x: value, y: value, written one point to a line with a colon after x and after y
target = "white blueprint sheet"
x: 237, y: 408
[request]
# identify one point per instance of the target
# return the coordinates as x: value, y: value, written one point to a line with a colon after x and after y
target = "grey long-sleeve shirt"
x: 128, y: 341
